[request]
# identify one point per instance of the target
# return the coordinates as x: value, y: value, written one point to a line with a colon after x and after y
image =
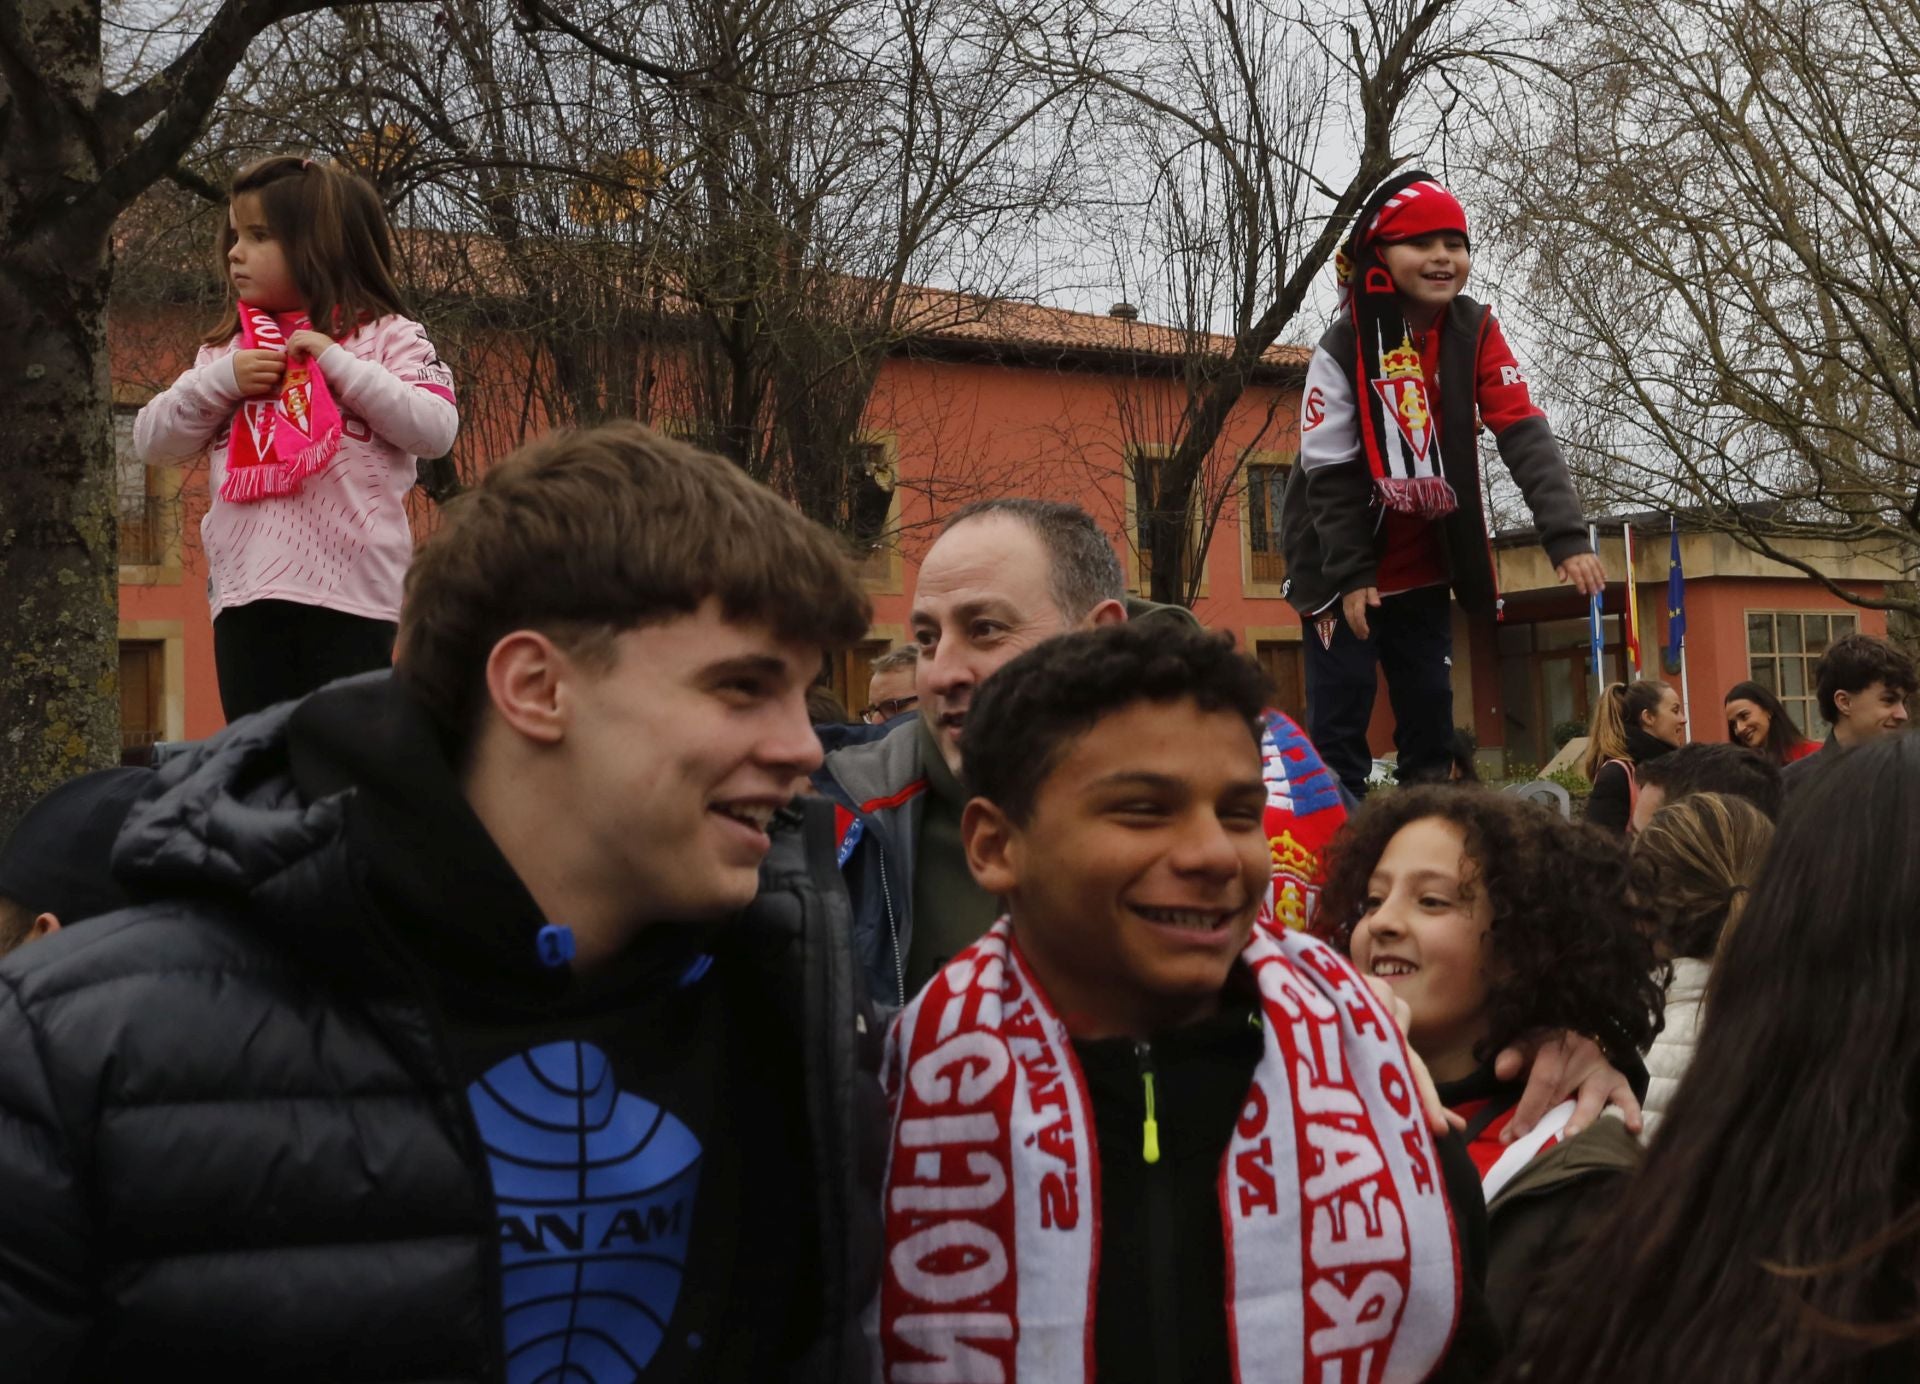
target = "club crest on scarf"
x: 1341, y: 1260
x: 1403, y: 390
x: 277, y: 442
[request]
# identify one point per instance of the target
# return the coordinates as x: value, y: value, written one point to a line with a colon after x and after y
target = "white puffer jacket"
x: 1667, y: 1059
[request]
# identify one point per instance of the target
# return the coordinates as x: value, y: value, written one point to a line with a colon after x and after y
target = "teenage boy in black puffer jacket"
x: 454, y: 1043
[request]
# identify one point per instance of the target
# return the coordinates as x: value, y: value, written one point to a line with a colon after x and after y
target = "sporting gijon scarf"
x: 278, y: 441
x: 1400, y: 429
x: 1341, y: 1259
x: 1302, y: 816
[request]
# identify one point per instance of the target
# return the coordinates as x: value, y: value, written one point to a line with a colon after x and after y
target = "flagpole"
x: 1686, y: 702
x: 1677, y: 616
x: 1630, y: 611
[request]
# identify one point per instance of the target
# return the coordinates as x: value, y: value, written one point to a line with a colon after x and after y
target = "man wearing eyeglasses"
x: 891, y: 691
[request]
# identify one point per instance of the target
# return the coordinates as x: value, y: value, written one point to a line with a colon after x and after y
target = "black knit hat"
x: 57, y: 860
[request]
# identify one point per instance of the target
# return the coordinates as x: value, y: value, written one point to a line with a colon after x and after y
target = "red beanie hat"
x: 1421, y: 208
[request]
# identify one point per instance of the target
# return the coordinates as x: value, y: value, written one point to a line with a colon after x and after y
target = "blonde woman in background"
x: 1693, y: 865
x: 1633, y: 722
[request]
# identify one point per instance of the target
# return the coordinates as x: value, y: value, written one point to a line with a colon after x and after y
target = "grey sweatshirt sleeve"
x: 1532, y: 454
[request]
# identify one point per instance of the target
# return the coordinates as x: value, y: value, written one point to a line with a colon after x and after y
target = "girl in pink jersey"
x: 318, y: 396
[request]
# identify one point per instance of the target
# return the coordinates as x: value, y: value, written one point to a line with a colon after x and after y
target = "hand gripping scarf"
x: 278, y: 442
x: 1398, y: 434
x: 1341, y: 1262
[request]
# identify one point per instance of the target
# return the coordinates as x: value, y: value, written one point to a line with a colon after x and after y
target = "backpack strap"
x: 1633, y: 784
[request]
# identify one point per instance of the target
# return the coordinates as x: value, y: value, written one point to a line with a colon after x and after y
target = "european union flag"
x: 1676, y: 600
x: 1595, y: 638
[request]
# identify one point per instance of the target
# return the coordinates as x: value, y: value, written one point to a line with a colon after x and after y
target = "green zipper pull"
x: 1150, y: 1130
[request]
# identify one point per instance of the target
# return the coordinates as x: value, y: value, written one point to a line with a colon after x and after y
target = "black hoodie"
x: 1160, y: 1317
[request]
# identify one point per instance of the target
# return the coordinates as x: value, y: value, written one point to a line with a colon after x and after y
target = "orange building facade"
x: 1038, y: 402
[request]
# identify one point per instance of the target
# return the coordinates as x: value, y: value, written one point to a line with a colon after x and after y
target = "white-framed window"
x: 1782, y: 648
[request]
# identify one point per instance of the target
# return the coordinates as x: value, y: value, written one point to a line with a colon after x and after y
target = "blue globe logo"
x: 595, y: 1191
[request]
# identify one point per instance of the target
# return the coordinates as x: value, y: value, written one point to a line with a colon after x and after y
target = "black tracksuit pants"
x: 1412, y: 639
x: 267, y: 652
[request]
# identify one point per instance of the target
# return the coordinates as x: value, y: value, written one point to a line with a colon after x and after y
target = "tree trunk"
x: 59, y: 599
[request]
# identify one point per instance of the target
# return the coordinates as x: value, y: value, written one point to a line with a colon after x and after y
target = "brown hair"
x: 1082, y: 570
x: 16, y: 924
x: 1693, y: 864
x: 334, y: 232
x: 824, y: 707
x: 1855, y: 662
x: 1618, y: 711
x: 1783, y: 736
x: 584, y: 535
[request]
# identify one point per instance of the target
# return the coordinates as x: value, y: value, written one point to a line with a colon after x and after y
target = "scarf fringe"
x: 1424, y: 497
x: 271, y: 480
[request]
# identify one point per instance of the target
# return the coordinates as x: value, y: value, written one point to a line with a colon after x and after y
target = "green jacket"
x: 1545, y: 1214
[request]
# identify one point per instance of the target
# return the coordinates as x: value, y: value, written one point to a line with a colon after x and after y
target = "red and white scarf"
x: 278, y: 441
x: 1341, y: 1261
x: 1303, y: 815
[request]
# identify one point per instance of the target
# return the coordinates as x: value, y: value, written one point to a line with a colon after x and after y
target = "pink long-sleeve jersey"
x: 343, y: 541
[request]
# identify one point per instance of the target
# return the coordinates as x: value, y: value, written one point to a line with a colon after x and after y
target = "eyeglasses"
x: 890, y: 708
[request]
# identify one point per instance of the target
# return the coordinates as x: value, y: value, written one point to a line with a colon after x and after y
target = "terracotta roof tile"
x: 939, y: 315
x: 450, y: 264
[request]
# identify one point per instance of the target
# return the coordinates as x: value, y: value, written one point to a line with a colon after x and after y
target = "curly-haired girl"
x: 1493, y: 919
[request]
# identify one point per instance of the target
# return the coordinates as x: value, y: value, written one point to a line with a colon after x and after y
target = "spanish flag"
x: 1630, y: 619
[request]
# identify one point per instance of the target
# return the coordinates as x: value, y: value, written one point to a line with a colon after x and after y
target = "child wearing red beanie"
x: 1383, y: 517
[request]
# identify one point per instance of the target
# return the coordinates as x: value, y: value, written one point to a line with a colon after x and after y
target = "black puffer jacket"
x: 232, y: 1146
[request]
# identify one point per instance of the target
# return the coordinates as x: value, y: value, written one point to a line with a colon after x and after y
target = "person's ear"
x: 527, y: 682
x: 43, y: 926
x: 989, y: 839
x: 1106, y: 613
x: 1842, y: 703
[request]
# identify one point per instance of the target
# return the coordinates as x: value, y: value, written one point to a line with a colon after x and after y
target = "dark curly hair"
x: 1055, y: 692
x: 1570, y: 945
